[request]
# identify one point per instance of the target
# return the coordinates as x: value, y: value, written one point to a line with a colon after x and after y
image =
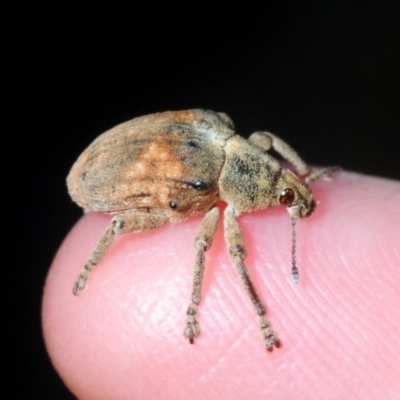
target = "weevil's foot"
x: 269, y: 335
x: 191, y: 331
x: 322, y: 173
x: 79, y: 284
x: 192, y: 328
x: 270, y: 341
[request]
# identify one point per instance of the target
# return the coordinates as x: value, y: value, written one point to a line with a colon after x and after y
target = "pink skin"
x: 340, y: 326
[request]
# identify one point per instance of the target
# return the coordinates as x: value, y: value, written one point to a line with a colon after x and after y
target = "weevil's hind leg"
x: 267, y: 140
x: 96, y: 256
x: 237, y: 251
x: 133, y: 221
x: 203, y: 241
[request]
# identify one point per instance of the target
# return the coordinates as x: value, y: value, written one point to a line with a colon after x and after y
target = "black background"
x: 324, y: 77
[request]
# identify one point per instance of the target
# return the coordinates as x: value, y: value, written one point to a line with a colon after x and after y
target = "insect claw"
x: 76, y: 289
x: 276, y: 343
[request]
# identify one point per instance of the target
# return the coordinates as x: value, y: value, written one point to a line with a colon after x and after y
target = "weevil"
x: 169, y: 166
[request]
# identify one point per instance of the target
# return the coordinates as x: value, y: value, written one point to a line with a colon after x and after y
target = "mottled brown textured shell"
x: 162, y: 162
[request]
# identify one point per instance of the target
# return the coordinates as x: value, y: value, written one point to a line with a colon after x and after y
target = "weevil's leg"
x: 322, y: 173
x: 267, y: 140
x: 133, y: 221
x: 204, y: 238
x: 237, y: 251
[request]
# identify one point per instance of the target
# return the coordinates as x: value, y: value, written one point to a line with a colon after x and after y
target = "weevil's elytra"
x: 169, y: 166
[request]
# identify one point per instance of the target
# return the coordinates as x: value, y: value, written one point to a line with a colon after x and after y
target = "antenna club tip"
x: 295, y: 275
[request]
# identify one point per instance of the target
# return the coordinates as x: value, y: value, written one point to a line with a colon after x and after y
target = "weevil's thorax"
x: 252, y: 179
x: 249, y: 176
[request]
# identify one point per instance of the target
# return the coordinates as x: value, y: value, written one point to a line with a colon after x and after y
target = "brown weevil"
x: 169, y: 166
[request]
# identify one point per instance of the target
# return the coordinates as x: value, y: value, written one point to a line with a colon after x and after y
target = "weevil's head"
x: 295, y: 194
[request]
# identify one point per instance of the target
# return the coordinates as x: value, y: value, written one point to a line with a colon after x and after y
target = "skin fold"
x: 121, y: 338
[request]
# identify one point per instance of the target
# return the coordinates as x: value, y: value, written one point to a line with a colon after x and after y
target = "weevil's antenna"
x: 295, y: 270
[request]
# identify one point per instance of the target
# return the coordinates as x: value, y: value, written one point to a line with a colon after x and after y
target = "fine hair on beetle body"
x: 169, y: 166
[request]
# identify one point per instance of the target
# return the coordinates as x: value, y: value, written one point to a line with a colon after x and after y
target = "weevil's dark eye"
x: 286, y: 197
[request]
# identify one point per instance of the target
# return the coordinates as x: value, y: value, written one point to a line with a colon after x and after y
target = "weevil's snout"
x: 302, y: 209
x: 298, y: 200
x: 311, y: 208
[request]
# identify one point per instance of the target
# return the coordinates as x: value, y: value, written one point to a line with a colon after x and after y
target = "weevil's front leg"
x: 234, y: 241
x: 321, y: 173
x: 267, y: 140
x: 203, y: 241
x: 133, y: 221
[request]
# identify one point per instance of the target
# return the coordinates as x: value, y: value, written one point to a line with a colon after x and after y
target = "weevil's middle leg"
x: 237, y: 251
x: 203, y: 241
